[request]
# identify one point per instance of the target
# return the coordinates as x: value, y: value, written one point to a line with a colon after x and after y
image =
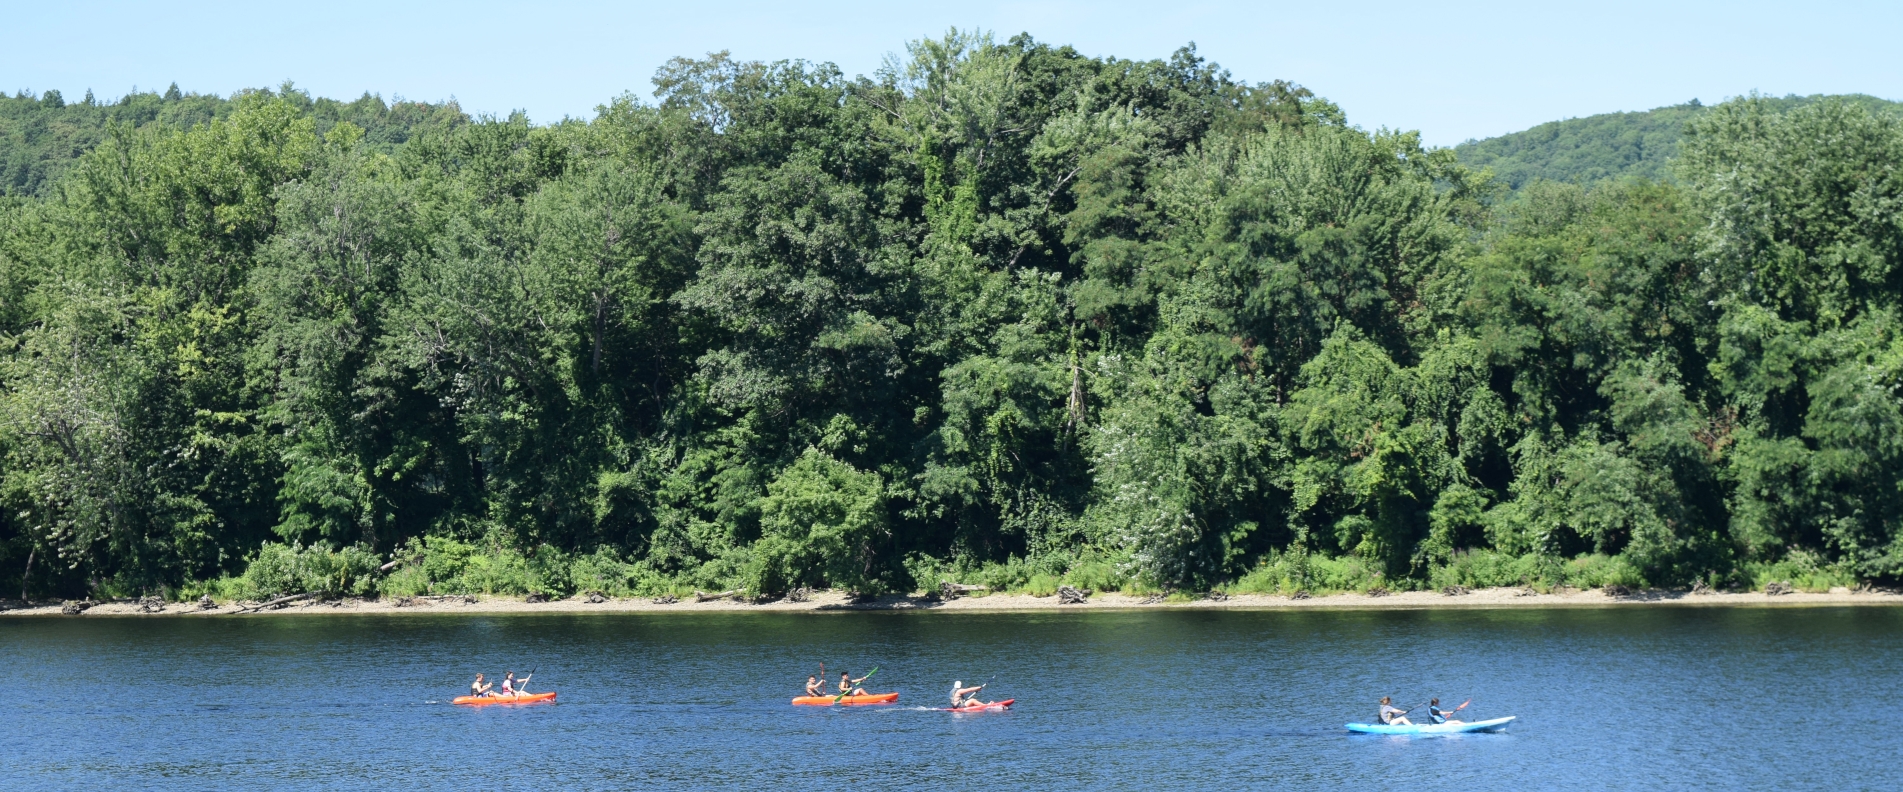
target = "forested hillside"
x: 1000, y: 313
x: 1610, y: 146
x: 40, y: 135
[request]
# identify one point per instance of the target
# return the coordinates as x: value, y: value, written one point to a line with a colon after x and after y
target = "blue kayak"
x: 1497, y: 724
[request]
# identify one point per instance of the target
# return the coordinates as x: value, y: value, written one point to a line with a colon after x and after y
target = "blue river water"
x: 1613, y: 698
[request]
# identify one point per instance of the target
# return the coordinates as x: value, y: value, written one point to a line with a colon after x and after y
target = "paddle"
x: 850, y: 683
x: 519, y: 689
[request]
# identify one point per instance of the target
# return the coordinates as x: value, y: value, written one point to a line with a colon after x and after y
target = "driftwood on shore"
x: 702, y: 596
x: 948, y: 590
x: 277, y: 603
x: 1069, y: 595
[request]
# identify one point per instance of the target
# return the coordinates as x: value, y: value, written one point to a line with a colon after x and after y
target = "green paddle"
x: 849, y: 683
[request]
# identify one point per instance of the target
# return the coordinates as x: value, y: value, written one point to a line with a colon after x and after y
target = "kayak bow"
x: 828, y: 701
x: 1497, y: 724
x: 519, y: 698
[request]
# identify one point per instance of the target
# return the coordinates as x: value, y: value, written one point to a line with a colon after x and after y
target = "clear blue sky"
x: 1451, y: 70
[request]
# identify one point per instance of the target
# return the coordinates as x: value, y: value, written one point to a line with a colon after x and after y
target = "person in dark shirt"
x: 1437, y: 715
x: 849, y: 686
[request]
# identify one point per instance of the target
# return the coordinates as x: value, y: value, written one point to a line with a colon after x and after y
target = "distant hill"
x: 1609, y: 146
x: 40, y: 135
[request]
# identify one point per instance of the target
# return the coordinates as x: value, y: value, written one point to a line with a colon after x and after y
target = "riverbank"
x: 838, y: 602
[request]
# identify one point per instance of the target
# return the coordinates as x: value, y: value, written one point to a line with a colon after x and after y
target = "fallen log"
x: 278, y: 603
x: 702, y: 596
x: 397, y: 562
x: 1068, y: 595
x: 948, y: 590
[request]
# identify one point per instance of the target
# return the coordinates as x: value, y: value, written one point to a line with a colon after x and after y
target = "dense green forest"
x: 41, y: 134
x: 1610, y: 146
x: 1000, y: 312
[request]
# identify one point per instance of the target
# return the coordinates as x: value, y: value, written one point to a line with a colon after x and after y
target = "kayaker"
x: 962, y: 696
x: 1392, y: 715
x: 508, y: 684
x: 814, y: 687
x: 522, y: 685
x: 849, y: 686
x: 477, y: 687
x: 1437, y: 715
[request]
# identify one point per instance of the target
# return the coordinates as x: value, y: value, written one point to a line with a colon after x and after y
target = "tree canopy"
x: 1610, y: 146
x: 1001, y: 310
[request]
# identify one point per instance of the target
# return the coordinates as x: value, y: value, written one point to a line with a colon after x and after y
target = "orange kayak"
x: 519, y: 698
x: 827, y: 701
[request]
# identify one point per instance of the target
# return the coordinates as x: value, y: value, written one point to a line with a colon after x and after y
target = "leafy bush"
x: 1041, y: 585
x: 280, y: 569
x: 1287, y: 572
x: 1804, y: 571
x: 818, y: 524
x: 1598, y: 571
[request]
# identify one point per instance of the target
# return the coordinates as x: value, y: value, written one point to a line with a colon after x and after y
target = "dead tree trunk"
x: 948, y: 590
x: 278, y: 603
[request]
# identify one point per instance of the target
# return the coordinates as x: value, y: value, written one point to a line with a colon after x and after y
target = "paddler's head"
x: 958, y: 683
x: 478, y: 677
x: 1434, y: 702
x: 1384, y: 699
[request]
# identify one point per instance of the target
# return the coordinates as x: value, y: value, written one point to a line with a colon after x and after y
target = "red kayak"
x: 995, y: 705
x: 847, y: 701
x: 519, y: 698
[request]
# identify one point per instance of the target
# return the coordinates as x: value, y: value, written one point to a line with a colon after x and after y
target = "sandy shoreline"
x: 837, y: 602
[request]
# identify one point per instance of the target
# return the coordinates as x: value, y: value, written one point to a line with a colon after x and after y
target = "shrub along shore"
x: 1001, y: 314
x: 980, y: 602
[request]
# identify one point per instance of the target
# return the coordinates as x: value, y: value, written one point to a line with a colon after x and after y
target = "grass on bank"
x: 444, y: 565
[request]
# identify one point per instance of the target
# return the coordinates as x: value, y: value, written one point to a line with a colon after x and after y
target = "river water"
x: 1613, y: 698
